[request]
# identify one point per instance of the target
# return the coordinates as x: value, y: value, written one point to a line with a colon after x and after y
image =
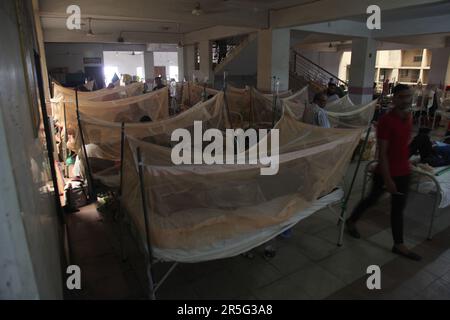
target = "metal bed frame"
x: 368, y: 174
x: 153, y: 285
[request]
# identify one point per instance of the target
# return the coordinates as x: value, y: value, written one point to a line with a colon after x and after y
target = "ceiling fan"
x: 199, y: 10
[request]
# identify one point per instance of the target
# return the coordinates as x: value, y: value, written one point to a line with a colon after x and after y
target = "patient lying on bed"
x: 434, y: 154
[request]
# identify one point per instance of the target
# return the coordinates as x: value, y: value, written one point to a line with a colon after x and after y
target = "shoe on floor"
x: 352, y: 230
x: 409, y: 254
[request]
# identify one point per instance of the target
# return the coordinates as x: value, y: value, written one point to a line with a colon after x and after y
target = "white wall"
x: 245, y: 63
x: 345, y: 61
x: 389, y: 58
x: 30, y: 265
x: 166, y: 59
x: 124, y: 61
x: 70, y: 55
x: 330, y: 61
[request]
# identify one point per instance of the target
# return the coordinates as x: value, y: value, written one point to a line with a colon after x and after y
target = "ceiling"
x: 137, y: 18
x: 428, y: 10
x: 168, y: 21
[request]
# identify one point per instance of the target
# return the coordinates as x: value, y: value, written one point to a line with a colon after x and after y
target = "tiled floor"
x: 307, y: 266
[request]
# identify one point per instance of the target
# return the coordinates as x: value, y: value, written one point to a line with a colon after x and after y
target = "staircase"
x: 303, y: 71
x: 234, y: 52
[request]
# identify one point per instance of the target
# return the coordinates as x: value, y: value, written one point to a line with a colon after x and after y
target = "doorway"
x: 96, y: 74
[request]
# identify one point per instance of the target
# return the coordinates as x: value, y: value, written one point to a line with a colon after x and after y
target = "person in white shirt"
x: 320, y: 115
x: 332, y: 92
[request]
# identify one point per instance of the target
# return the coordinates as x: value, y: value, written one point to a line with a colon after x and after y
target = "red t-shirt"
x: 397, y: 131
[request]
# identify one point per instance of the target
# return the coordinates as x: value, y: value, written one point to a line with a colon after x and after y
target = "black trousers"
x: 398, y: 203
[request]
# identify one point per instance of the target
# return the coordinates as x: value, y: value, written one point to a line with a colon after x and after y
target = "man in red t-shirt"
x: 393, y: 171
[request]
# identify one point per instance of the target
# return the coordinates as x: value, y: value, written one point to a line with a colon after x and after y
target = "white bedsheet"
x: 236, y: 246
x: 428, y: 186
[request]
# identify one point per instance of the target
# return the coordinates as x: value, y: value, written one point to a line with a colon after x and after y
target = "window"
x: 409, y: 75
x: 404, y: 73
x: 417, y: 59
x: 173, y: 73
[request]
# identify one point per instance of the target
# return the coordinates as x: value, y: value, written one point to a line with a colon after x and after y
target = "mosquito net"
x: 199, y: 208
x: 193, y: 93
x: 340, y: 105
x: 106, y: 94
x: 297, y: 102
x: 154, y: 104
x: 342, y: 113
x: 104, y: 137
x: 354, y: 116
x: 263, y: 112
x: 281, y: 95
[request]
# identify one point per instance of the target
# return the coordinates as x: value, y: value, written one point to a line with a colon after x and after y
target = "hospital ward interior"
x: 225, y: 150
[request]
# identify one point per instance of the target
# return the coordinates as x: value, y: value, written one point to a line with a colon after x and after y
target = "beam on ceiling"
x: 328, y: 10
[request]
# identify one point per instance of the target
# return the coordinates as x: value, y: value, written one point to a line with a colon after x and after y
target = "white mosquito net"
x: 342, y: 113
x: 154, y: 105
x: 193, y: 93
x: 103, y: 137
x: 196, y: 211
x: 340, y: 105
x: 105, y: 94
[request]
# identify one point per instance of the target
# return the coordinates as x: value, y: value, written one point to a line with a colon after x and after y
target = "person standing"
x: 393, y: 171
x: 320, y: 115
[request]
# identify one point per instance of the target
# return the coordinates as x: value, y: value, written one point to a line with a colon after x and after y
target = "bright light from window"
x: 173, y: 72
x: 140, y: 73
x: 109, y: 73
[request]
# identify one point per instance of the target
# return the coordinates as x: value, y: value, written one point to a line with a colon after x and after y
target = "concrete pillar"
x: 264, y: 56
x: 189, y: 65
x: 149, y: 65
x: 440, y: 59
x: 273, y: 58
x: 362, y: 70
x: 206, y: 72
x: 180, y: 55
x: 281, y: 39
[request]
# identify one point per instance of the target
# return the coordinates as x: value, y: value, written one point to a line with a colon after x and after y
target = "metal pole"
x: 273, y: 101
x: 48, y: 140
x: 120, y: 214
x: 342, y: 217
x: 225, y: 98
x: 189, y: 94
x: 164, y: 278
x: 204, y: 92
x: 65, y: 133
x: 88, y: 167
x: 147, y: 235
x: 122, y: 145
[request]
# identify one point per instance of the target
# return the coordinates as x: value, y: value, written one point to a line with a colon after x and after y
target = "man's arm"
x: 384, y: 167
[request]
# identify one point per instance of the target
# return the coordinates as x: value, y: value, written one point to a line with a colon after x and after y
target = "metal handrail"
x: 298, y: 65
